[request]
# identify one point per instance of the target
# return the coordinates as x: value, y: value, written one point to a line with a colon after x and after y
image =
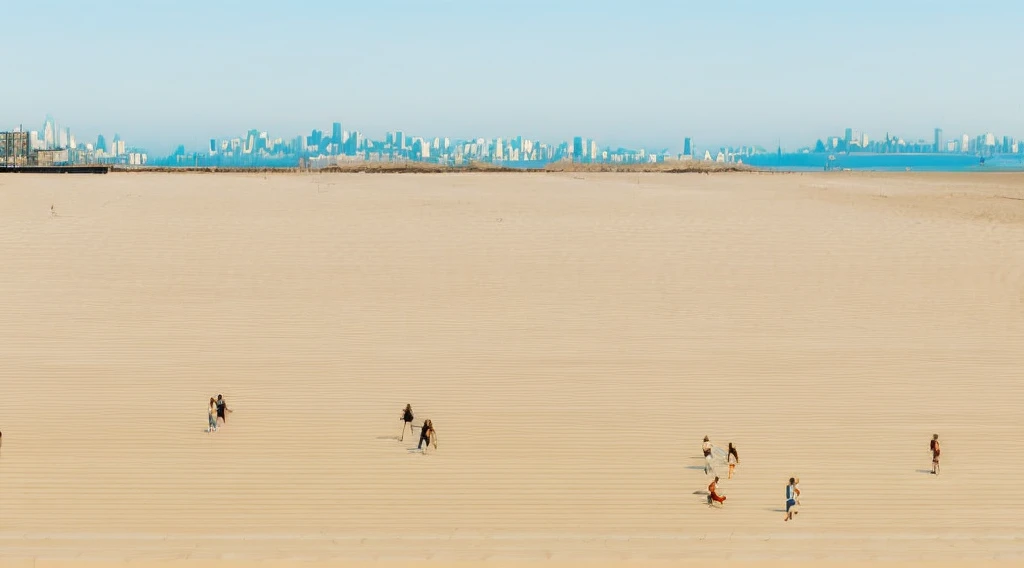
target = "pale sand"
x: 572, y: 339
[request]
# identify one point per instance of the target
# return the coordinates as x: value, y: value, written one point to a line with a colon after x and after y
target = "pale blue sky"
x: 639, y: 72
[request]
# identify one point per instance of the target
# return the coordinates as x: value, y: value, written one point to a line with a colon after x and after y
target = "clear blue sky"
x: 629, y: 72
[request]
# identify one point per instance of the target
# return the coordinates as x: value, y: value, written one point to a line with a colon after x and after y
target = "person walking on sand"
x: 222, y: 409
x: 706, y: 448
x: 427, y: 435
x: 406, y: 421
x: 212, y: 415
x: 792, y: 494
x: 936, y: 450
x: 713, y: 493
x: 734, y: 458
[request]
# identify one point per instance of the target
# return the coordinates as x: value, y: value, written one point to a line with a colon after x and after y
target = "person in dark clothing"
x: 733, y: 459
x: 406, y: 421
x: 222, y: 409
x: 936, y: 450
x: 792, y: 498
x: 427, y: 435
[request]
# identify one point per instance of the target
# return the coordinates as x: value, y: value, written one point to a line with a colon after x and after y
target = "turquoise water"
x: 888, y: 162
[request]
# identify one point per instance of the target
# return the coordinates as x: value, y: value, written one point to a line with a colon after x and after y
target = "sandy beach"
x: 573, y: 337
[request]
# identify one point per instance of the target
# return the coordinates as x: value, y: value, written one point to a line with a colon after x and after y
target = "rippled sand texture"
x: 572, y: 337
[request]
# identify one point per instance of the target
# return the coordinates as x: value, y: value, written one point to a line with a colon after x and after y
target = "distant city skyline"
x: 163, y: 74
x: 336, y: 144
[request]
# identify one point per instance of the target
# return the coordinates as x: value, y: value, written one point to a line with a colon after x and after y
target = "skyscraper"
x: 938, y: 140
x: 687, y: 146
x: 577, y: 148
x: 49, y: 133
x: 336, y: 137
x: 848, y: 137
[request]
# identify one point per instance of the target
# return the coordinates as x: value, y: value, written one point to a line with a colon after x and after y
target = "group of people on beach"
x: 732, y: 458
x: 217, y: 413
x: 428, y: 436
x: 792, y: 488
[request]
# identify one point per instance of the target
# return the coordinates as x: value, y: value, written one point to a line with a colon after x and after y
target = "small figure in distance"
x: 427, y: 435
x: 222, y: 409
x: 406, y: 421
x: 734, y: 458
x: 713, y: 495
x: 936, y: 450
x: 706, y: 448
x: 792, y: 494
x: 212, y: 414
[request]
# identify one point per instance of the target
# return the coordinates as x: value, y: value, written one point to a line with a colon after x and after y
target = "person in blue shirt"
x: 792, y: 493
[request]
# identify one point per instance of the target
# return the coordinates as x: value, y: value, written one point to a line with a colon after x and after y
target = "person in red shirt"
x: 713, y: 491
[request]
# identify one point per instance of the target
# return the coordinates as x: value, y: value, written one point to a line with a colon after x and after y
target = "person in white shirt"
x: 709, y: 468
x: 211, y: 412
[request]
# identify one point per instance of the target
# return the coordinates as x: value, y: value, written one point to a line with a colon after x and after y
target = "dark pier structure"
x: 54, y: 169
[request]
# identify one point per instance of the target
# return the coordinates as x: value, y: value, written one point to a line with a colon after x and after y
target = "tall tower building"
x: 577, y: 148
x: 336, y: 137
x: 938, y: 140
x: 49, y: 133
x: 687, y: 146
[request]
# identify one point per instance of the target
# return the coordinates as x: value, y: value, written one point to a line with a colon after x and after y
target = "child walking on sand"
x: 936, y: 450
x: 212, y: 415
x: 734, y: 458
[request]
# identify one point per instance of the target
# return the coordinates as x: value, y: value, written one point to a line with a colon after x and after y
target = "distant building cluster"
x: 57, y: 146
x: 980, y: 145
x: 322, y: 148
